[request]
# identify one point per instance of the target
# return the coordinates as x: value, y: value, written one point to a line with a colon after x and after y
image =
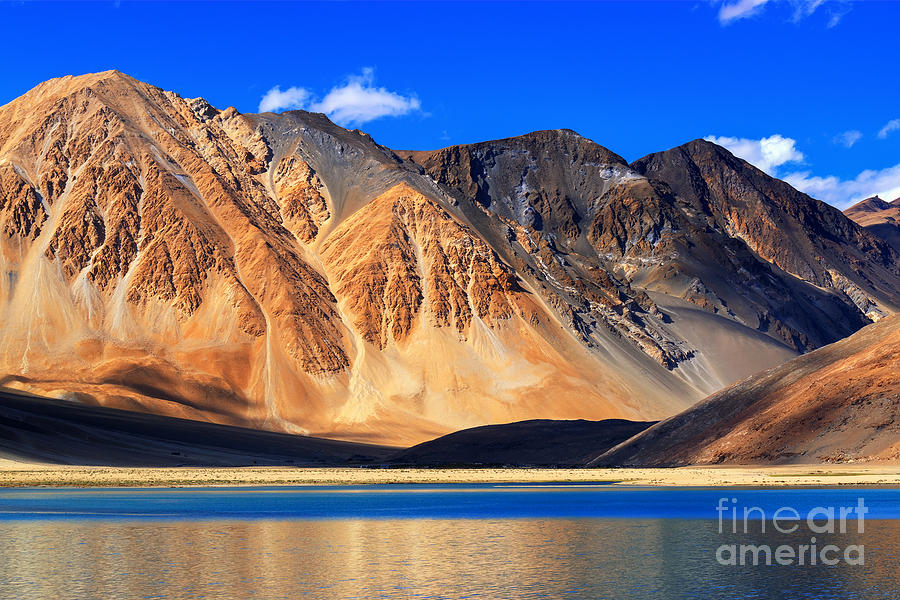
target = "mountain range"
x: 279, y: 272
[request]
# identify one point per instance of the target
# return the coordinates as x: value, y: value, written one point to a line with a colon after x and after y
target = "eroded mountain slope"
x: 274, y: 271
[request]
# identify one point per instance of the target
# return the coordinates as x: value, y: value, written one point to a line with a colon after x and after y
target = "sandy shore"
x: 15, y: 474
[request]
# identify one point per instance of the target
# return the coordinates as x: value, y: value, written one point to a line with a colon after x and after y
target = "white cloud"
x: 844, y: 193
x: 848, y: 138
x: 803, y: 9
x: 732, y: 11
x: 289, y: 99
x: 357, y: 101
x: 837, y: 13
x: 892, y: 125
x: 767, y: 153
x: 774, y: 151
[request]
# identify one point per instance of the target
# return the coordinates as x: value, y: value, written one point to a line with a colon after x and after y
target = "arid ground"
x: 16, y: 474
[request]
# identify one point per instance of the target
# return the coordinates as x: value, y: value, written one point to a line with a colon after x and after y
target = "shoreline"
x: 27, y: 475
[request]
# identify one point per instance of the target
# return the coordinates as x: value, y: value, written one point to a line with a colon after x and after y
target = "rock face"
x: 283, y: 273
x: 840, y: 403
x: 880, y: 217
x: 695, y: 257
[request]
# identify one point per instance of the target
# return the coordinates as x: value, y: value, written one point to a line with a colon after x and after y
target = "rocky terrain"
x: 880, y: 217
x: 283, y: 273
x: 840, y: 403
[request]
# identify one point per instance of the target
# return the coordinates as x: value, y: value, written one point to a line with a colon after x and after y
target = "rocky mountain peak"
x: 796, y: 233
x: 873, y: 204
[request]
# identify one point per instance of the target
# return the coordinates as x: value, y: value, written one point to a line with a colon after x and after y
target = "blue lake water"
x: 436, y: 541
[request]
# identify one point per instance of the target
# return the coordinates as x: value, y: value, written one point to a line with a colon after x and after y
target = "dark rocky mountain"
x: 691, y: 228
x: 803, y: 237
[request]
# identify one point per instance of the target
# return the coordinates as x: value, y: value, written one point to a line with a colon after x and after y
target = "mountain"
x: 839, y: 403
x: 60, y: 432
x: 273, y: 271
x: 283, y: 273
x: 802, y: 237
x: 880, y: 217
x: 873, y: 210
x: 690, y: 253
x: 538, y: 442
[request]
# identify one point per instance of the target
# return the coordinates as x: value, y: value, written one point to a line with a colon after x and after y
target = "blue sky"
x: 802, y: 88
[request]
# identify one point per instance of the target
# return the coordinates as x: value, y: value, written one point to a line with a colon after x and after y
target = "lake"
x: 440, y: 541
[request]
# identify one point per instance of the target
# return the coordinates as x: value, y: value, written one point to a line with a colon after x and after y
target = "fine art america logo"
x: 789, y: 524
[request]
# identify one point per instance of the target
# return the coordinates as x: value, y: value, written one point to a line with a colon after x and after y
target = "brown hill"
x: 283, y: 273
x: 839, y: 403
x: 880, y: 217
x: 538, y: 442
x: 873, y: 210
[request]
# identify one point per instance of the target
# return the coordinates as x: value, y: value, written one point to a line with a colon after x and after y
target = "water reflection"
x: 421, y: 558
